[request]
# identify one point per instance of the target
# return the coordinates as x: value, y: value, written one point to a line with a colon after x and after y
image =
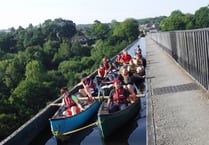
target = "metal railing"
x: 190, y: 49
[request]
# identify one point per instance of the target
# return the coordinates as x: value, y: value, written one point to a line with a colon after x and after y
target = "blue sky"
x: 15, y: 13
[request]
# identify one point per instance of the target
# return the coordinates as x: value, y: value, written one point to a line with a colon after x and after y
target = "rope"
x: 77, y: 130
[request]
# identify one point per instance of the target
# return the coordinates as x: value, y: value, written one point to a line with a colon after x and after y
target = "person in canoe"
x: 118, y: 98
x: 131, y: 66
x: 140, y: 69
x: 139, y: 50
x: 125, y: 57
x: 89, y: 87
x: 102, y: 77
x: 70, y: 103
x: 109, y: 67
x: 106, y: 64
x: 118, y: 61
x: 128, y: 79
x: 101, y: 71
x: 139, y: 53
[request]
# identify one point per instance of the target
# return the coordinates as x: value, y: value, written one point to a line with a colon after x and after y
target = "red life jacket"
x: 126, y: 58
x: 69, y: 101
x: 118, y: 59
x: 101, y: 71
x: 119, y: 97
x: 106, y: 65
x: 90, y: 83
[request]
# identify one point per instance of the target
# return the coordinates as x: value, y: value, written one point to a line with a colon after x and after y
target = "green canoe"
x: 108, y: 123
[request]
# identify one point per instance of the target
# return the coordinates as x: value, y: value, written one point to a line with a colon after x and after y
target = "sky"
x: 15, y: 13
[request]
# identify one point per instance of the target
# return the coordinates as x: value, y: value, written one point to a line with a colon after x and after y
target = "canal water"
x: 133, y: 133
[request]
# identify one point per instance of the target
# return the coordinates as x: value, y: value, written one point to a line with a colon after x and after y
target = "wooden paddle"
x: 106, y: 97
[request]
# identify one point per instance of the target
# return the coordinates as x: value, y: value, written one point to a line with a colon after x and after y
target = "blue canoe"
x: 62, y: 127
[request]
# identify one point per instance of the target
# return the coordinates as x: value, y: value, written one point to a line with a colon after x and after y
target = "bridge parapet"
x: 190, y: 49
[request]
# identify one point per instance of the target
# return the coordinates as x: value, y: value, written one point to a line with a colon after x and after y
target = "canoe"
x: 62, y: 127
x: 108, y: 123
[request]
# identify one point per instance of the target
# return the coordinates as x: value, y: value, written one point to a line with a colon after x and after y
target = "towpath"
x: 177, y: 107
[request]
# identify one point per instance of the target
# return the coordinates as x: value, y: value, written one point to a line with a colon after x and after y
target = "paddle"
x: 52, y: 141
x: 106, y: 97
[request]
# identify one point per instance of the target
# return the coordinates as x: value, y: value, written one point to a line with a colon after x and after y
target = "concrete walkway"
x: 177, y: 107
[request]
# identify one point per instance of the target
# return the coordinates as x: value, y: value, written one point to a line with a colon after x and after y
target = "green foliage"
x: 129, y: 26
x: 7, y: 42
x: 174, y: 22
x: 26, y: 100
x: 7, y: 124
x: 78, y: 50
x: 13, y: 73
x: 126, y: 30
x: 50, y: 48
x: 57, y: 79
x: 30, y: 94
x: 179, y: 21
x: 189, y: 21
x: 64, y: 51
x: 34, y: 53
x: 86, y: 62
x: 98, y: 52
x: 58, y: 29
x: 100, y: 30
x: 34, y: 71
x: 202, y: 17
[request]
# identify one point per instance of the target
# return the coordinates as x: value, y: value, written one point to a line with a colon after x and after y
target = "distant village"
x: 148, y: 28
x: 143, y: 29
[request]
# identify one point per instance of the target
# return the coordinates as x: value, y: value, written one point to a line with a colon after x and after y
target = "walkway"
x: 178, y: 109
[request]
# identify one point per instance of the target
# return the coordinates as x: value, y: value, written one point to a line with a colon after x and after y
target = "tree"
x: 38, y: 37
x: 4, y: 90
x: 174, y: 22
x: 66, y: 28
x: 34, y: 52
x: 64, y: 52
x: 78, y: 50
x: 59, y: 29
x: 57, y: 78
x: 100, y: 30
x: 29, y: 97
x: 7, y: 125
x: 98, y: 52
x: 202, y: 17
x: 130, y: 27
x: 189, y: 21
x: 7, y: 42
x: 127, y: 30
x: 68, y: 69
x: 166, y: 25
x: 20, y: 36
x: 50, y: 48
x: 13, y: 73
x: 27, y: 38
x: 35, y: 71
x: 89, y: 61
